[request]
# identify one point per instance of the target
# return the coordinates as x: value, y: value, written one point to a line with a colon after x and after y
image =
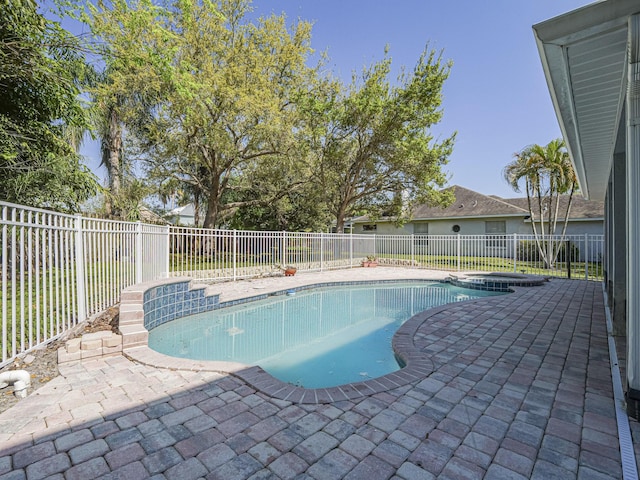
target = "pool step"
x: 134, y: 336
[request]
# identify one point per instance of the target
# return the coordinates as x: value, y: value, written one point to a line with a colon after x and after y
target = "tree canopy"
x: 206, y: 100
x: 373, y: 144
x: 226, y: 113
x: 41, y: 71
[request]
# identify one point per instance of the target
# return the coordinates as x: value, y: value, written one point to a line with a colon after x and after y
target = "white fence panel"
x: 39, y: 277
x: 58, y: 269
x: 109, y: 261
x: 218, y: 255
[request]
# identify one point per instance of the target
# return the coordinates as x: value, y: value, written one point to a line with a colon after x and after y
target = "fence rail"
x: 57, y: 269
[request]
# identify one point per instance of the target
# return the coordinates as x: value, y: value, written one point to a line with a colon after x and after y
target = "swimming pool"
x: 316, y: 338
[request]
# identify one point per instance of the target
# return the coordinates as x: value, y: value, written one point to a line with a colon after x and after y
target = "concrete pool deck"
x: 520, y: 388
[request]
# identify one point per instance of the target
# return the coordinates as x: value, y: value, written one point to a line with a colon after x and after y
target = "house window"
x: 369, y: 228
x: 421, y: 233
x: 496, y: 233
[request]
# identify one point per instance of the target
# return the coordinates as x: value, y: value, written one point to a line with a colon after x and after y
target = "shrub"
x: 528, y: 251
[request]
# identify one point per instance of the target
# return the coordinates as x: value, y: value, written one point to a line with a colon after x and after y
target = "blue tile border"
x: 166, y: 302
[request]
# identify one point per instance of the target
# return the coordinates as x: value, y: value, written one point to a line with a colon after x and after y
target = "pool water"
x: 316, y: 338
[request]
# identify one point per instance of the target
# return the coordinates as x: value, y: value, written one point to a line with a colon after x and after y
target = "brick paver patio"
x: 521, y: 388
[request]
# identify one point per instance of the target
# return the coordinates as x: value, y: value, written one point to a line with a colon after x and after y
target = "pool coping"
x: 417, y: 364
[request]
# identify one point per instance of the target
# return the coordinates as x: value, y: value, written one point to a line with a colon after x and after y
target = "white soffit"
x: 584, y: 56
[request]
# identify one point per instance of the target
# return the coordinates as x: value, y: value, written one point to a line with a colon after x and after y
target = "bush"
x: 528, y: 251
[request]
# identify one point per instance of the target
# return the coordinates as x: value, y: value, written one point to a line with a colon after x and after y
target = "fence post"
x: 283, y: 250
x: 515, y: 253
x: 351, y: 251
x: 458, y: 249
x: 321, y: 251
x: 167, y: 265
x: 567, y: 256
x: 139, y: 262
x: 413, y: 251
x: 5, y: 281
x: 80, y: 280
x: 235, y: 255
x: 586, y: 256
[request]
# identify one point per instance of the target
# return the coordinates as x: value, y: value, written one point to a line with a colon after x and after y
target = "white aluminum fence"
x: 578, y: 256
x: 216, y: 255
x: 57, y: 270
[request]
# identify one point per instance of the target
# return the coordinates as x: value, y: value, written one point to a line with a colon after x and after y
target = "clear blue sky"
x: 496, y: 97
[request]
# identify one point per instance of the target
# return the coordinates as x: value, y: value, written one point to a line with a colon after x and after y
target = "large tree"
x: 228, y: 88
x: 547, y: 174
x: 41, y: 70
x: 372, y: 141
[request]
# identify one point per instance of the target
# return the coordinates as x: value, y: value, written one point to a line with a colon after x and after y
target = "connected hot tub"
x: 495, y: 281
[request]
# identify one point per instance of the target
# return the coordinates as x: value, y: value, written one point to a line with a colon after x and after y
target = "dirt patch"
x: 42, y: 363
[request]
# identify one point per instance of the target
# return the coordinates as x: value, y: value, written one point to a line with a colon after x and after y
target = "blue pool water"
x: 316, y: 338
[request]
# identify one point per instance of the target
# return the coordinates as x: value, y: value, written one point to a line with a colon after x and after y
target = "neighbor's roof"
x: 584, y: 56
x: 581, y: 208
x: 184, y: 211
x: 149, y: 216
x: 470, y: 204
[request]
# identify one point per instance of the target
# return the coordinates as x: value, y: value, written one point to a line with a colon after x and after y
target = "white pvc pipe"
x: 20, y: 380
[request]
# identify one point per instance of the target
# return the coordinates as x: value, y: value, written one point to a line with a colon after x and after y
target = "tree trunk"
x: 111, y: 148
x: 342, y: 211
x: 213, y: 212
x: 212, y: 216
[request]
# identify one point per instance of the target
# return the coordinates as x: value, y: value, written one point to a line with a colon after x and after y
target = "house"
x: 591, y: 61
x: 149, y: 216
x: 184, y: 215
x: 473, y: 213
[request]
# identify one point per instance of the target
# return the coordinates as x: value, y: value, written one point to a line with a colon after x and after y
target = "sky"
x: 496, y: 97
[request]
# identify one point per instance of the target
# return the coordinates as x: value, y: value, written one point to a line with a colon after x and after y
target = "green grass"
x: 182, y: 262
x: 499, y: 264
x: 57, y: 307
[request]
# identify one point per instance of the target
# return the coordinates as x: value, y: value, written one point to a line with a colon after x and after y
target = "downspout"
x: 20, y: 379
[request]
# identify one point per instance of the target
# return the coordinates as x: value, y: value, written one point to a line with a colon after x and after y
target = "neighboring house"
x: 149, y: 216
x: 473, y: 213
x: 591, y: 60
x: 184, y: 215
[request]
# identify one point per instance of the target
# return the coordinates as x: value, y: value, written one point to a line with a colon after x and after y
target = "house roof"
x: 149, y: 216
x: 184, y: 211
x: 471, y: 204
x: 584, y: 56
x: 581, y: 208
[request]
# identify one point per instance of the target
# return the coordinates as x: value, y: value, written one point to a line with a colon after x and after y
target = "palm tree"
x: 109, y: 130
x: 548, y: 173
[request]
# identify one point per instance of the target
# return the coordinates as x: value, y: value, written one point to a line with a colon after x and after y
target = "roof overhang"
x: 584, y: 57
